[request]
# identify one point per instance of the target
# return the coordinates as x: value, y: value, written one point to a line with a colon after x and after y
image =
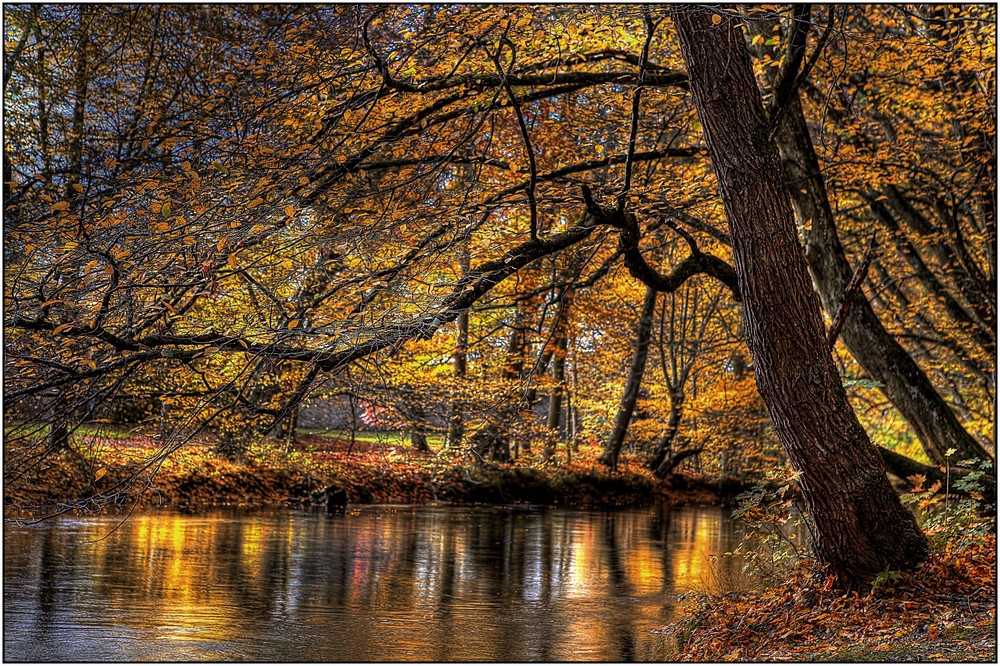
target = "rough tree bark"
x: 631, y: 393
x: 858, y: 524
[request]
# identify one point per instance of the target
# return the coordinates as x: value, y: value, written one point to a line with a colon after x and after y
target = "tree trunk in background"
x: 494, y: 435
x: 555, y: 397
x: 292, y: 428
x: 631, y: 393
x: 456, y: 425
x: 666, y: 440
x: 545, y: 355
x: 541, y: 367
x: 58, y: 437
x: 672, y: 460
x: 82, y: 81
x: 858, y: 524
x: 884, y: 359
x: 418, y: 433
x: 905, y: 468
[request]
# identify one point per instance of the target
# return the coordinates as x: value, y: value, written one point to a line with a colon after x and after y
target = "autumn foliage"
x: 945, y: 610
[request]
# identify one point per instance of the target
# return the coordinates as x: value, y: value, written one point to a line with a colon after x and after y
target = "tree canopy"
x: 217, y: 214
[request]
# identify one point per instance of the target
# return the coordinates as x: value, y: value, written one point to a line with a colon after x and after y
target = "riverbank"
x: 109, y: 472
x: 944, y: 611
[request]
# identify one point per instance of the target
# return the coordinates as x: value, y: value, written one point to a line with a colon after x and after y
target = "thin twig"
x: 532, y: 167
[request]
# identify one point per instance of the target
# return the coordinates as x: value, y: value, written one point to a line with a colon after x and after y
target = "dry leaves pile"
x: 943, y: 611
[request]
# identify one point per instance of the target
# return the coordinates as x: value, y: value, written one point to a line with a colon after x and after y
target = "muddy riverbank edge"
x: 64, y: 481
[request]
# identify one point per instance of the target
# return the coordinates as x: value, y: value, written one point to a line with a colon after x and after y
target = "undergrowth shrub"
x: 770, y: 546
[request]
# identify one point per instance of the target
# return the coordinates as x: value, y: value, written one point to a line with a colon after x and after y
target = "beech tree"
x: 214, y: 215
x: 859, y: 525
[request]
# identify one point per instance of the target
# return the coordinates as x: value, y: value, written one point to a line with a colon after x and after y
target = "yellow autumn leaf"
x: 293, y: 323
x: 78, y: 187
x: 62, y: 205
x: 290, y: 211
x: 99, y: 474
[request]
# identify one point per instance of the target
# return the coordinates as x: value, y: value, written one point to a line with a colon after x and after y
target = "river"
x: 380, y: 583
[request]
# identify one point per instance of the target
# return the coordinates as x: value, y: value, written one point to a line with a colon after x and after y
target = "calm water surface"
x: 377, y: 584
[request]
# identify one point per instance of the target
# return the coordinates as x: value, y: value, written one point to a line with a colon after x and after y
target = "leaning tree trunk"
x: 882, y: 357
x: 858, y: 524
x: 631, y: 393
x: 672, y: 459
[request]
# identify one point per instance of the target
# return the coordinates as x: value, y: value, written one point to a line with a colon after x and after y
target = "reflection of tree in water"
x: 426, y: 584
x: 622, y: 624
x: 48, y: 581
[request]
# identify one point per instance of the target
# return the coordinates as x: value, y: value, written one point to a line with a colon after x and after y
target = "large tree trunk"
x: 858, y: 524
x: 631, y: 393
x: 884, y: 359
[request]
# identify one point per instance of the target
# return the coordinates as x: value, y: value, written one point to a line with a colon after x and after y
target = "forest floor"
x: 100, y: 471
x: 944, y: 611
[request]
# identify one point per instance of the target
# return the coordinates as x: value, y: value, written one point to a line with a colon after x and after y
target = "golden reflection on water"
x: 378, y: 584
